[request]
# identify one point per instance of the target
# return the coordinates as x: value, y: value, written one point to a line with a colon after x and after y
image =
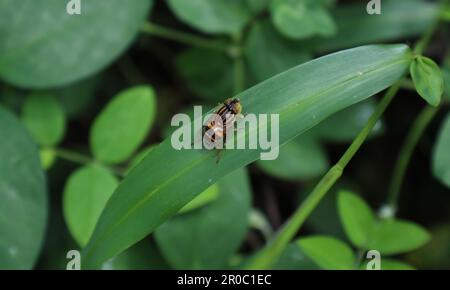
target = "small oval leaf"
x: 86, y: 192
x: 391, y: 237
x: 357, y: 218
x: 328, y: 253
x: 44, y: 117
x: 122, y: 126
x: 428, y: 79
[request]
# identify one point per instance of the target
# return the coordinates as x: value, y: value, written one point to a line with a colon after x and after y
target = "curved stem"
x: 420, y: 124
x: 268, y: 255
x: 185, y: 38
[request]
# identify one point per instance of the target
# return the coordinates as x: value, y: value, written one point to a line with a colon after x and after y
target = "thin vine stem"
x: 185, y: 38
x: 274, y: 248
x: 82, y: 159
x: 73, y: 156
x: 419, y: 126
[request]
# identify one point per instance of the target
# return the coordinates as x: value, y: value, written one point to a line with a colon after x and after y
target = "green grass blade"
x: 168, y: 179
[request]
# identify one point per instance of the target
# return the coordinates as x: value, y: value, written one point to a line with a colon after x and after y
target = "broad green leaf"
x: 327, y: 252
x: 257, y: 6
x: 207, y: 196
x: 43, y: 46
x: 344, y: 126
x: 293, y: 258
x: 389, y: 264
x: 441, y: 154
x: 86, y: 192
x: 357, y: 218
x: 301, y: 159
x: 23, y: 199
x: 299, y: 19
x: 44, y: 117
x: 167, y: 179
x: 269, y: 53
x: 142, y: 256
x: 428, y: 79
x: 392, y: 237
x: 212, y: 16
x: 400, y: 19
x: 206, y: 238
x: 122, y: 126
x: 207, y: 73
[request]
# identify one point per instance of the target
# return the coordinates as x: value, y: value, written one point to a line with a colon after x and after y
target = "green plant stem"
x: 185, y: 38
x: 273, y: 250
x: 425, y: 39
x: 82, y: 159
x: 73, y: 156
x: 420, y: 124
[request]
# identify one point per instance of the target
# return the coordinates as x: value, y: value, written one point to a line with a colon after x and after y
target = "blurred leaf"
x: 268, y: 53
x: 122, y: 126
x: 428, y: 79
x: 212, y: 16
x: 44, y: 117
x: 328, y: 252
x: 47, y: 157
x: 301, y: 159
x: 23, y: 199
x: 293, y: 258
x: 206, y: 197
x: 389, y: 264
x: 167, y: 178
x: 357, y: 218
x: 207, y: 73
x: 446, y: 72
x: 395, y: 237
x: 441, y: 154
x: 345, y: 125
x: 257, y: 6
x: 400, y: 19
x: 142, y: 256
x: 44, y: 48
x: 86, y: 192
x: 435, y: 254
x: 206, y: 238
x: 299, y: 19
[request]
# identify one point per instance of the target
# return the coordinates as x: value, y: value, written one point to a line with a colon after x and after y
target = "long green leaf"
x: 167, y: 179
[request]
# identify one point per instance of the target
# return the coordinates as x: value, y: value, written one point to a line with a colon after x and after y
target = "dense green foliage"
x: 91, y: 97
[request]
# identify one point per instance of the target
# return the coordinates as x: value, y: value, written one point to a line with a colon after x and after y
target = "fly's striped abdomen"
x: 216, y: 128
